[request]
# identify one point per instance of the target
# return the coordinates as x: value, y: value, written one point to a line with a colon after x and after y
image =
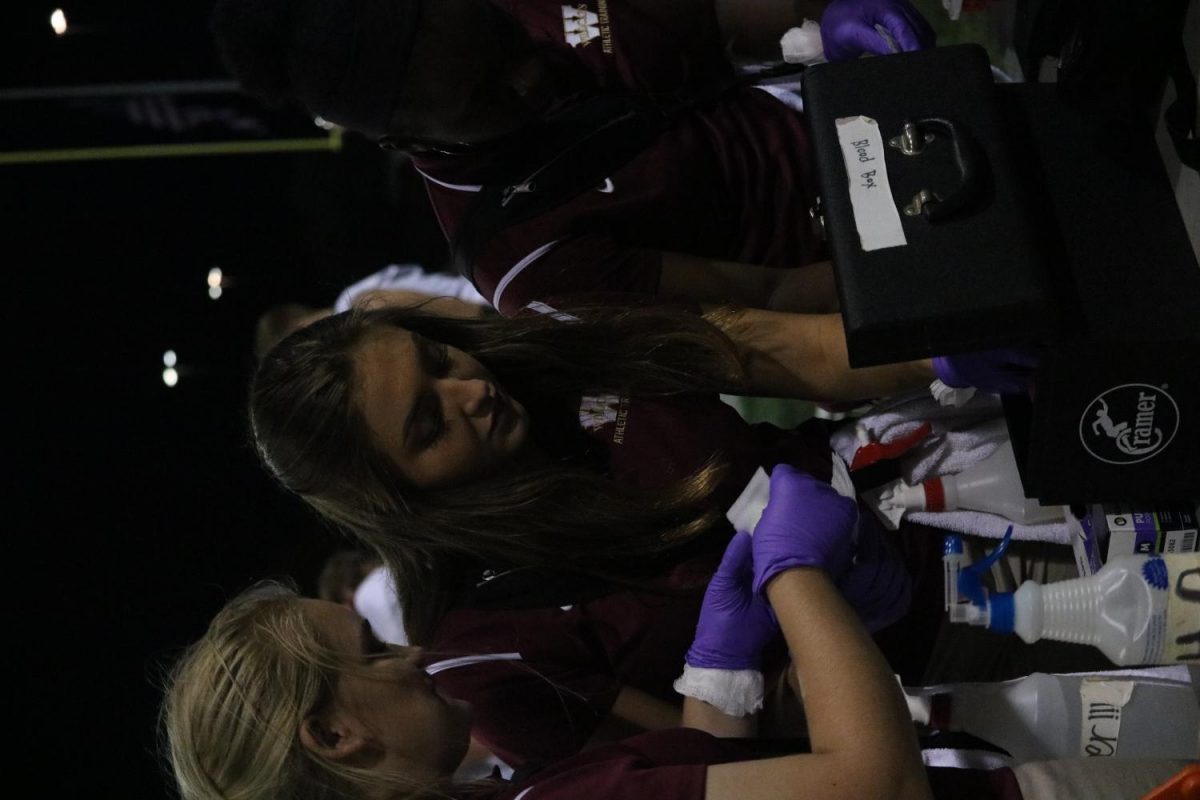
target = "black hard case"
x: 973, y: 281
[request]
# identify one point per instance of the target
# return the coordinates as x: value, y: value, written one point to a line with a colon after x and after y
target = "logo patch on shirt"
x: 582, y: 27
x: 596, y: 411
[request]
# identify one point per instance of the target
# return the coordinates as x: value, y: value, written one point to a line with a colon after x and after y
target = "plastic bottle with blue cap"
x: 1136, y: 609
x: 993, y: 485
x: 954, y: 560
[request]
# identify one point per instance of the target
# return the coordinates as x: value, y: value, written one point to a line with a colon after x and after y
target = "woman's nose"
x: 475, y: 396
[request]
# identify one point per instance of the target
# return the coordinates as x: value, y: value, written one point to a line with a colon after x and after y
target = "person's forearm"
x: 851, y: 699
x: 645, y: 710
x: 710, y: 719
x: 811, y: 289
x: 804, y: 356
x: 803, y: 290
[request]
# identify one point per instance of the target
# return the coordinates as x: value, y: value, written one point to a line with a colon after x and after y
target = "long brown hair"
x: 313, y: 437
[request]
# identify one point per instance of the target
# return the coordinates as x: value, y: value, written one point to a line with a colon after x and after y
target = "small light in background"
x: 58, y: 21
x: 170, y: 376
x: 169, y: 358
x: 323, y: 123
x: 216, y: 279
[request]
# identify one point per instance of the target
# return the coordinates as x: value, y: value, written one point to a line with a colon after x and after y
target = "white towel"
x: 981, y: 523
x: 950, y: 450
x: 961, y: 436
x: 974, y: 523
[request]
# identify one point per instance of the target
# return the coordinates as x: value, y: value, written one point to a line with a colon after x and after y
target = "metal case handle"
x: 969, y: 158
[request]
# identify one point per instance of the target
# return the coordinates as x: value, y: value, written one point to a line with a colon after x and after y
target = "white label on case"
x: 875, y: 213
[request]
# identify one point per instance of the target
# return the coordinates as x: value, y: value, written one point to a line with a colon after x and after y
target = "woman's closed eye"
x: 432, y: 424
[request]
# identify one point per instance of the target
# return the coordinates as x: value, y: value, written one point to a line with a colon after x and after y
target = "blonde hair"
x: 235, y: 702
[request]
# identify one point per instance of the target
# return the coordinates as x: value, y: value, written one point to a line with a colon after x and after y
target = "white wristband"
x: 736, y: 692
x: 950, y: 395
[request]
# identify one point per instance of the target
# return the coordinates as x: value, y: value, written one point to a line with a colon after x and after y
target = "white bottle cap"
x: 906, y: 496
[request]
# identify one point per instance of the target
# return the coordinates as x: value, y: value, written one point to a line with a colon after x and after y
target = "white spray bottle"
x: 992, y: 485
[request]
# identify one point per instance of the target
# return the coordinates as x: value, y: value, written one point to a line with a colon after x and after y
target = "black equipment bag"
x: 933, y: 245
x: 1115, y: 413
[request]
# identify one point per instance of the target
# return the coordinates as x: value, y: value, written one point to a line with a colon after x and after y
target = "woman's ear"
x: 333, y: 735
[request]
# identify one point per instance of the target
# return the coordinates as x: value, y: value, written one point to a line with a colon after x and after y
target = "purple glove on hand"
x: 848, y: 28
x: 877, y: 585
x: 806, y: 524
x: 1004, y: 371
x: 735, y: 623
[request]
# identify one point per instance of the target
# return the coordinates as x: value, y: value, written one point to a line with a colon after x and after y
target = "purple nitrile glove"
x: 877, y: 585
x: 735, y: 623
x: 848, y: 28
x: 806, y: 524
x: 1004, y: 371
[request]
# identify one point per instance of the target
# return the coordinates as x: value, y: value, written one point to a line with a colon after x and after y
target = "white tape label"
x: 875, y: 213
x: 1101, y: 702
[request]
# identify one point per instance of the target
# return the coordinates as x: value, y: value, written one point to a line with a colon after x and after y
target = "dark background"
x: 140, y: 508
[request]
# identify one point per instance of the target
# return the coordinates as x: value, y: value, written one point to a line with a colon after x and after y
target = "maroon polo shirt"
x: 673, y: 765
x: 731, y: 181
x: 575, y: 659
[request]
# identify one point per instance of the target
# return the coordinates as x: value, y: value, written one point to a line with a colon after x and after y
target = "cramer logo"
x: 1129, y: 423
x: 582, y: 27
